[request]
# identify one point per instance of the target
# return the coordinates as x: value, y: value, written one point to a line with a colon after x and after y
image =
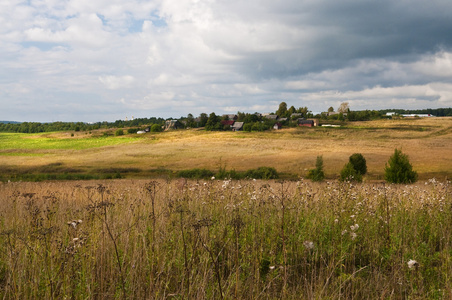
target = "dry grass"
x: 428, y: 142
x: 225, y: 239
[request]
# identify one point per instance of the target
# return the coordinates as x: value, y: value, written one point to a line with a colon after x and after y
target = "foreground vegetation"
x: 135, y: 239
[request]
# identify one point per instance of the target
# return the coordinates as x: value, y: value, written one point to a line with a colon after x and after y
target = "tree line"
x: 287, y: 116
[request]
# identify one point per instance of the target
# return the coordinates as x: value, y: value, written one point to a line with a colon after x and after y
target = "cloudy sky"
x: 95, y: 60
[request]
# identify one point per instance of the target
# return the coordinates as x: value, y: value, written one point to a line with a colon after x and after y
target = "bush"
x: 317, y: 174
x: 247, y: 127
x: 399, y: 170
x: 195, y: 173
x: 132, y: 130
x: 349, y: 173
x: 262, y: 173
x: 119, y: 132
x: 156, y: 128
x: 359, y: 163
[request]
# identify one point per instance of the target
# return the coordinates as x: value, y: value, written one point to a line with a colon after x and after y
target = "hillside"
x: 428, y: 142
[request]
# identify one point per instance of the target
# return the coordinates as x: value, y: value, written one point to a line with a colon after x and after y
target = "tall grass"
x: 225, y: 239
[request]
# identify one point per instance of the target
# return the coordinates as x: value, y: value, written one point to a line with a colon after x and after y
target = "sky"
x: 107, y: 60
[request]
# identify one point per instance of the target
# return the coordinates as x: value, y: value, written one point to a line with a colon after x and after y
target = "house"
x: 277, y: 126
x: 227, y: 122
x: 237, y: 126
x: 305, y: 123
x: 271, y: 117
x: 172, y: 124
x: 316, y: 122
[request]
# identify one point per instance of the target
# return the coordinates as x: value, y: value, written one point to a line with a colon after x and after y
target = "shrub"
x: 119, y: 132
x: 317, y: 174
x: 399, y: 170
x: 132, y: 130
x: 262, y: 173
x: 359, y: 163
x: 349, y: 173
x: 156, y: 128
x: 195, y: 173
x: 247, y: 127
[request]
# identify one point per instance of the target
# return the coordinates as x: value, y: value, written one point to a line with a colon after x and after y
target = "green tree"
x: 203, y: 119
x: 398, y: 169
x: 282, y: 110
x: 317, y: 174
x: 213, y: 123
x: 349, y: 173
x: 358, y: 162
x: 119, y: 132
x: 247, y: 127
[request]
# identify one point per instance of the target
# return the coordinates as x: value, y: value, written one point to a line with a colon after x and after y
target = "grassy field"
x: 179, y: 239
x: 428, y: 142
x: 220, y: 239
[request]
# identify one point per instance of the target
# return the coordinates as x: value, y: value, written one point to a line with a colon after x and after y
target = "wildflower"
x: 271, y: 267
x: 353, y: 235
x: 308, y: 245
x: 336, y: 221
x: 74, y: 223
x: 354, y: 227
x: 75, y: 240
x: 213, y: 178
x: 344, y: 232
x: 412, y: 264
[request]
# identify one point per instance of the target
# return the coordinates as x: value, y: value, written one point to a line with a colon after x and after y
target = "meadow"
x: 223, y: 239
x: 292, y: 152
x: 154, y: 236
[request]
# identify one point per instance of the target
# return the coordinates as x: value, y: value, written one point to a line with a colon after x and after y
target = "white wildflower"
x: 412, y: 264
x: 353, y: 235
x: 75, y: 240
x: 308, y: 245
x: 354, y: 227
x: 344, y: 232
x: 336, y: 221
x: 213, y: 178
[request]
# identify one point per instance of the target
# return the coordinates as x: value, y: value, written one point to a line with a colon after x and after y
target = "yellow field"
x: 428, y: 143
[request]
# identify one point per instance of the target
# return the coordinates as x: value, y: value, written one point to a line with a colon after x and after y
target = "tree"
x: 213, y: 122
x: 358, y: 162
x: 282, y: 110
x: 349, y: 173
x: 119, y: 132
x: 343, y: 108
x: 190, y: 121
x: 330, y: 109
x: 203, y: 119
x: 398, y: 169
x: 317, y: 174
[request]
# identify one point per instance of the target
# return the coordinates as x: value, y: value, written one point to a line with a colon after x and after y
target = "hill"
x: 290, y: 151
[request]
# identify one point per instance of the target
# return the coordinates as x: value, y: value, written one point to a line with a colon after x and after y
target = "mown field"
x: 428, y: 142
x: 222, y: 239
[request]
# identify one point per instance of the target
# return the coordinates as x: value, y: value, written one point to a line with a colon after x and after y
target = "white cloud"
x: 165, y: 57
x: 115, y: 82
